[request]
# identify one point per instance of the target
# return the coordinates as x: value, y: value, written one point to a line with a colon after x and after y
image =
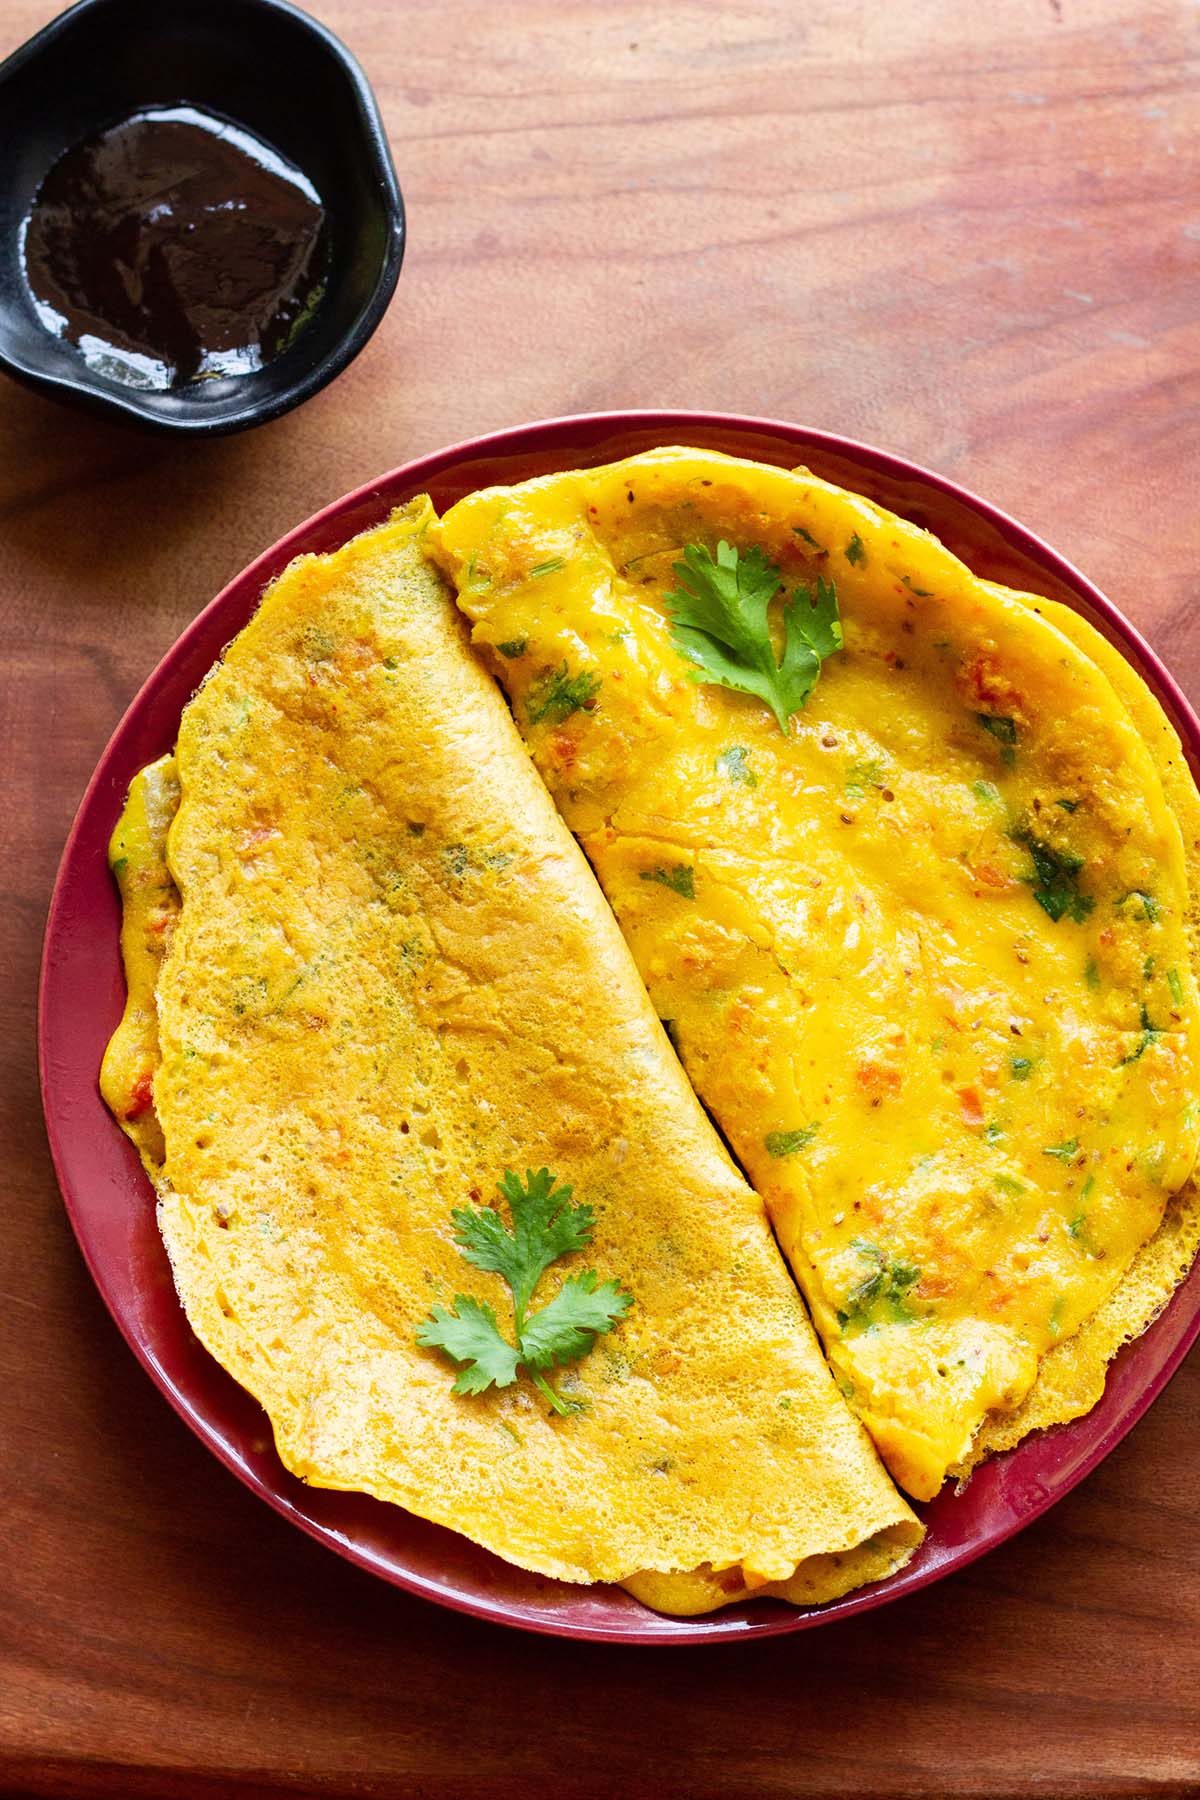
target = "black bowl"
x: 271, y: 68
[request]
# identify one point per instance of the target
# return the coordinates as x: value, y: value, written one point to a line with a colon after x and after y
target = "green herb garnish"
x: 1055, y: 879
x: 1021, y: 1066
x: 719, y: 624
x: 1003, y: 730
x: 1176, y: 986
x: 732, y: 762
x: 856, y: 551
x: 546, y: 1226
x: 988, y: 792
x: 862, y: 775
x: 1150, y: 1035
x: 476, y: 579
x: 786, y: 1143
x: 547, y: 568
x: 513, y: 648
x: 1077, y: 1227
x: 1064, y: 1151
x: 1068, y: 805
x: 1150, y: 907
x: 881, y: 1298
x: 680, y: 878
x: 808, y: 538
x: 921, y: 593
x: 558, y: 694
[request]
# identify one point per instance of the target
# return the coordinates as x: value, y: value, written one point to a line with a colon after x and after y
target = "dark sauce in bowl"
x: 175, y: 246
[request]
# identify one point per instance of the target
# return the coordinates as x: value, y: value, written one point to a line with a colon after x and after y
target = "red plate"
x: 111, y: 1203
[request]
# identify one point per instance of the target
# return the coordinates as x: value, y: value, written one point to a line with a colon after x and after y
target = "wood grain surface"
x: 967, y: 230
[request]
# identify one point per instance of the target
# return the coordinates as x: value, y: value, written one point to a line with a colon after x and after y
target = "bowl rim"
x: 1163, y: 1344
x: 128, y: 403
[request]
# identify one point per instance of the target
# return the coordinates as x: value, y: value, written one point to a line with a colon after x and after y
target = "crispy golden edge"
x: 137, y: 857
x: 815, y: 1581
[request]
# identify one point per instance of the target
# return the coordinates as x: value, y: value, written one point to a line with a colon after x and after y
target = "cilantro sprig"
x: 719, y: 624
x: 546, y: 1226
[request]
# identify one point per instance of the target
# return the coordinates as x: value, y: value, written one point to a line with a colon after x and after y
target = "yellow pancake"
x: 392, y: 978
x: 925, y: 957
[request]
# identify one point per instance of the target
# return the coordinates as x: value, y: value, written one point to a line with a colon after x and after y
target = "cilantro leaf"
x: 547, y: 1224
x: 719, y: 624
x: 470, y: 1335
x: 732, y: 762
x: 786, y: 1143
x: 1150, y: 1035
x: 680, y: 878
x: 1055, y: 880
x: 565, y: 1327
x: 814, y: 612
x: 1079, y: 1229
x: 880, y: 1298
x: 862, y: 775
x: 557, y: 694
x: 1149, y: 906
x: 1004, y: 730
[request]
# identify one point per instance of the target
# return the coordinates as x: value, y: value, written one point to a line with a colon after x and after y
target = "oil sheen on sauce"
x: 175, y: 247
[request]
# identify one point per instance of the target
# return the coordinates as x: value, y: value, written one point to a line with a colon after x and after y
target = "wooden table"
x: 969, y: 232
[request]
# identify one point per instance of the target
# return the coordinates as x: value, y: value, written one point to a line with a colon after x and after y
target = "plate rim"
x: 1179, y: 1321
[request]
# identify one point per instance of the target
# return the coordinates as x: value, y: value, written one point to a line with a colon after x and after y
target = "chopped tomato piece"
x: 142, y: 1097
x: 970, y: 1103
